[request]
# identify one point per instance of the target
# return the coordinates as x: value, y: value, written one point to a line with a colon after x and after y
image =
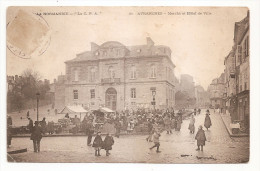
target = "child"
x: 97, y: 144
x: 108, y: 142
x: 201, y: 138
x: 156, y: 141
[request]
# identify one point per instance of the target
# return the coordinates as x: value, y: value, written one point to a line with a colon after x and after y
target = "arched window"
x: 111, y: 72
x: 133, y: 72
x: 92, y: 74
x: 153, y: 71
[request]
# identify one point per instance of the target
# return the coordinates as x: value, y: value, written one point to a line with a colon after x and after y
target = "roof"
x: 73, y: 109
x: 241, y: 28
x: 148, y: 50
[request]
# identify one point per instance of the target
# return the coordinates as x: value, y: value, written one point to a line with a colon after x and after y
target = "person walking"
x: 150, y: 130
x: 107, y: 144
x: 191, y: 124
x: 207, y: 122
x: 30, y: 125
x: 201, y: 138
x: 179, y: 121
x: 117, y: 127
x: 167, y: 124
x: 36, y: 136
x: 89, y: 131
x: 156, y: 141
x: 9, y: 131
x: 28, y: 114
x: 97, y: 144
x: 43, y: 125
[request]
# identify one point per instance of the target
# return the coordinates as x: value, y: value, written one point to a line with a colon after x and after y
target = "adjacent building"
x: 216, y: 90
x: 121, y: 77
x: 187, y: 85
x: 242, y: 71
x: 202, y: 97
x: 237, y: 75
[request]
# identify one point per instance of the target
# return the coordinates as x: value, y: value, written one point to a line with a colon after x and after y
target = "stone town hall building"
x: 121, y: 77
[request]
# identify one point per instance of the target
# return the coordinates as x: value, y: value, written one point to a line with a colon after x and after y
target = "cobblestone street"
x: 178, y: 147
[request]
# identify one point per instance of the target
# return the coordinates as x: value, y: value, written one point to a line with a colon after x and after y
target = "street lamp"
x: 153, y: 102
x: 37, y: 96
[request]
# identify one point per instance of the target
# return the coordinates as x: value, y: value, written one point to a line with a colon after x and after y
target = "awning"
x: 73, y: 110
x: 107, y: 110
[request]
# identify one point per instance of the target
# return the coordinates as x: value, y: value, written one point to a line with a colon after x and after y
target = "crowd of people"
x: 155, y: 122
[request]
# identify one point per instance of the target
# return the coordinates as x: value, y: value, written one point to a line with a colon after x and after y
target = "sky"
x: 199, y: 43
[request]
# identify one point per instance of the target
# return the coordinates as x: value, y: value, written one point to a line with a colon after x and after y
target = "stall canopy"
x: 106, y: 110
x: 73, y: 110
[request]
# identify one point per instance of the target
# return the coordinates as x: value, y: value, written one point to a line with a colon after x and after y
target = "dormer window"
x: 97, y: 53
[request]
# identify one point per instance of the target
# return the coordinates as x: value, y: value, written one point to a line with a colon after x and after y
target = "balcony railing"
x: 110, y: 80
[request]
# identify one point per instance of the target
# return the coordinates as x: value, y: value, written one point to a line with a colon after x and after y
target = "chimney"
x: 94, y: 46
x: 149, y: 41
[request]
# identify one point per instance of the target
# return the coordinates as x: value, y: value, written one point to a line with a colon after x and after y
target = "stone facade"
x: 242, y: 76
x: 237, y: 75
x: 121, y: 77
x: 217, y: 90
x: 187, y: 84
x: 202, y: 97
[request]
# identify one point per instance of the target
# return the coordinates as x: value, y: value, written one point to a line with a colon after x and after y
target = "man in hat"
x: 30, y: 125
x: 89, y: 131
x: 36, y: 136
x: 43, y: 125
x: 9, y: 130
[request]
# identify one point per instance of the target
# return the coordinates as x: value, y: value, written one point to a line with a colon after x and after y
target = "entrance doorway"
x: 111, y: 97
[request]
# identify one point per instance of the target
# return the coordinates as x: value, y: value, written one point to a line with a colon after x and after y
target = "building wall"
x: 119, y: 68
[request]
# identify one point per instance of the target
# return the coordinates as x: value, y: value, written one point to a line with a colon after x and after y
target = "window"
x: 239, y: 56
x: 133, y: 93
x: 245, y: 85
x: 76, y: 74
x: 111, y: 72
x: 92, y: 74
x: 75, y: 94
x: 153, y: 71
x: 92, y: 93
x: 133, y: 72
x: 246, y: 46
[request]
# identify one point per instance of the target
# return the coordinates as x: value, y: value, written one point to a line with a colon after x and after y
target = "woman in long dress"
x: 191, y: 125
x: 207, y: 122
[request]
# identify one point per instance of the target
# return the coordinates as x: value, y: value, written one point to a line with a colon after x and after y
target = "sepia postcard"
x: 128, y: 84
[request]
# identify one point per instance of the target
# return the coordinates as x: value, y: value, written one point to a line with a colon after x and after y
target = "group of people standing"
x: 200, y: 136
x: 154, y: 133
x: 99, y: 144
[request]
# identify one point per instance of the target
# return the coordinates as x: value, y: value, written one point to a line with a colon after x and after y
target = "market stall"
x: 73, y: 116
